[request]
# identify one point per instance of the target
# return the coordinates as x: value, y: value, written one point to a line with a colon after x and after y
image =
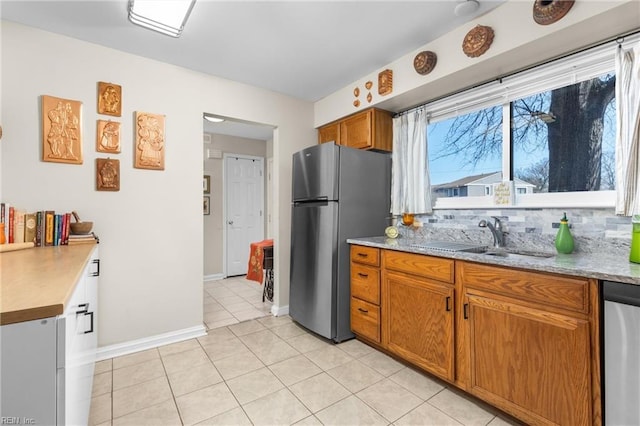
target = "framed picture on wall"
x: 206, y: 184
x: 206, y: 209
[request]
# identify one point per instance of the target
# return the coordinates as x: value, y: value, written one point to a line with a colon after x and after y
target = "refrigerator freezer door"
x: 312, y: 288
x: 315, y: 173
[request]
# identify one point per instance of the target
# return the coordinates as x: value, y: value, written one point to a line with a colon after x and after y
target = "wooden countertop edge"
x: 55, y: 307
x: 31, y: 314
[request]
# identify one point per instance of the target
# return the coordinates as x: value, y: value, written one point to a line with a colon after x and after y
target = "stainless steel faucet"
x: 496, y: 231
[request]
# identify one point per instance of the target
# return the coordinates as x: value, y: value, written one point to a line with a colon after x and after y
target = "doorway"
x: 244, y: 201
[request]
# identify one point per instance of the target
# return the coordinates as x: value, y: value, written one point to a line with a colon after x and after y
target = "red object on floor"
x: 256, y: 260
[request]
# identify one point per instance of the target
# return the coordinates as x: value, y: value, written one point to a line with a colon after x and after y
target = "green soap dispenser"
x: 564, y: 240
x: 634, y: 252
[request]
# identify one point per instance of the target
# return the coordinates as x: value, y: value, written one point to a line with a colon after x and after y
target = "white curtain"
x: 628, y: 131
x: 410, y: 185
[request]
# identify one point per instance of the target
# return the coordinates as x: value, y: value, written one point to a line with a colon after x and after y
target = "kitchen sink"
x: 522, y: 254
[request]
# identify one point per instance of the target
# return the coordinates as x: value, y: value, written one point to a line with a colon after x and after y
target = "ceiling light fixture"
x: 466, y: 7
x: 164, y: 16
x: 212, y: 118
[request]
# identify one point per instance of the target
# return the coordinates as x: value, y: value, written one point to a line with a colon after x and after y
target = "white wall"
x: 151, y: 231
x: 519, y: 42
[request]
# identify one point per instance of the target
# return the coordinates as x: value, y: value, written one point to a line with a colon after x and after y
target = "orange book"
x: 48, y: 228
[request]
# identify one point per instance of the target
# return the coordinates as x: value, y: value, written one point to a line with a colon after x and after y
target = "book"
x: 67, y: 228
x: 48, y: 228
x: 39, y: 228
x: 57, y: 229
x: 30, y: 228
x: 18, y: 227
x: 11, y: 225
x: 83, y: 239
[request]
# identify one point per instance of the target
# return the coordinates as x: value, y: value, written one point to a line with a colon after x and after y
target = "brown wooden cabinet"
x: 418, y: 321
x: 368, y: 129
x: 531, y: 343
x: 365, y: 292
x: 526, y: 342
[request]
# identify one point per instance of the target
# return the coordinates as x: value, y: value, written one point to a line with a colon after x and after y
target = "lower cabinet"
x: 47, y: 364
x: 526, y: 342
x: 533, y: 362
x: 418, y: 322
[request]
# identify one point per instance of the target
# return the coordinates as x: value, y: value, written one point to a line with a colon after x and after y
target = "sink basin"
x: 522, y: 254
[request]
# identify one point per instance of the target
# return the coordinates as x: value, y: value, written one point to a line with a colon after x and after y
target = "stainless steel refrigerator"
x: 338, y: 193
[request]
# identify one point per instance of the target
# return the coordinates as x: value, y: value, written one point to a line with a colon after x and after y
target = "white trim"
x: 279, y: 311
x: 214, y: 277
x: 584, y: 199
x: 119, y: 349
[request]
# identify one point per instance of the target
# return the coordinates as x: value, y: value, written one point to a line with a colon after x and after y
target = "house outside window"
x: 550, y: 130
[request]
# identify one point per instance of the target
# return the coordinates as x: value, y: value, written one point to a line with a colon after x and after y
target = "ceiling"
x: 304, y: 49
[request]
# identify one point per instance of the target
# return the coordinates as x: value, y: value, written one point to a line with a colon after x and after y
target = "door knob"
x: 230, y: 222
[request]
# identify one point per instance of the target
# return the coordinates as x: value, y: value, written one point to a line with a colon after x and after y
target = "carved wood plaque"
x: 107, y: 174
x: 108, y: 136
x: 61, y: 130
x: 109, y: 99
x: 425, y: 62
x: 385, y: 82
x: 149, y: 141
x: 547, y: 12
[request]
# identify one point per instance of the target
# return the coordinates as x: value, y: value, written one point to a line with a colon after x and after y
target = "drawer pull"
x: 363, y: 255
x: 360, y: 274
x: 466, y: 311
x: 363, y: 310
x: 84, y: 308
x: 91, y: 329
x: 448, y: 303
x: 96, y: 273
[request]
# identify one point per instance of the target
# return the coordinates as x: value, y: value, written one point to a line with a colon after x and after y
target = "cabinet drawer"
x: 365, y: 283
x: 547, y: 289
x: 366, y: 255
x: 418, y: 264
x: 365, y: 319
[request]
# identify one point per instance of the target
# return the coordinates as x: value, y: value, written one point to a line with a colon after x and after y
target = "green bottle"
x: 564, y: 240
x: 634, y: 253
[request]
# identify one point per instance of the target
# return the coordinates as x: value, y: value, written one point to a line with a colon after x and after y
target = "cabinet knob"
x: 363, y: 310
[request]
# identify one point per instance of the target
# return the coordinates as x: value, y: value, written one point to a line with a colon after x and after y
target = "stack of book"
x: 43, y: 228
x: 83, y: 239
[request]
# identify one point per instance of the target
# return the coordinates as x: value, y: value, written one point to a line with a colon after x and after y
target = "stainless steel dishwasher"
x: 621, y: 354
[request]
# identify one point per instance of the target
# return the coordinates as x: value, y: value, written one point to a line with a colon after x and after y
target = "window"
x: 550, y: 130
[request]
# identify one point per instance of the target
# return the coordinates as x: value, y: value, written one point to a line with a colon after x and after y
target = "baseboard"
x: 213, y: 277
x: 279, y: 311
x: 132, y: 346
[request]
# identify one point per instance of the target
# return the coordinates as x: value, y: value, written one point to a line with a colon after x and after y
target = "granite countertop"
x: 588, y: 265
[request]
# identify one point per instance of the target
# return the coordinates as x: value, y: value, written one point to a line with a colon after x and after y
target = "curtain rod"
x: 619, y: 39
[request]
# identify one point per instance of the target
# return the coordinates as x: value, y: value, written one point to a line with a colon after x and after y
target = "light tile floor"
x: 233, y: 300
x: 270, y: 371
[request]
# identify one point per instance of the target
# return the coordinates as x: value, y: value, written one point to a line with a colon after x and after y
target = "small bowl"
x: 81, y: 228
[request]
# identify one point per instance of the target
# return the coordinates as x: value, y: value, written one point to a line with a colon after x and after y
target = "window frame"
x: 562, y: 72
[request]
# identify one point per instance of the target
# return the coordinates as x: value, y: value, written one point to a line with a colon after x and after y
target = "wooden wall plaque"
x: 149, y: 141
x: 61, y: 130
x: 108, y: 136
x: 107, y: 174
x: 109, y: 99
x: 385, y: 82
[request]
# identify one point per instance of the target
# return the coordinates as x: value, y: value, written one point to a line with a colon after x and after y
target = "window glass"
x: 563, y: 140
x: 465, y: 153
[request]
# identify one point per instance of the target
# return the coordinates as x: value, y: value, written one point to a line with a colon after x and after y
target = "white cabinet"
x: 47, y: 364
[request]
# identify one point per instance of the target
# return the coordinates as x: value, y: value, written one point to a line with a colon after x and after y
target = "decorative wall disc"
x: 368, y: 85
x: 356, y: 103
x: 477, y: 41
x: 369, y: 97
x: 425, y: 62
x: 547, y: 12
x: 356, y: 92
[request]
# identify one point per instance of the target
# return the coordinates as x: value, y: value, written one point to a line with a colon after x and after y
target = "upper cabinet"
x: 369, y: 129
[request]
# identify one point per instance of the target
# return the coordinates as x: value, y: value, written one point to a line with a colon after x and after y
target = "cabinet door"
x: 328, y: 133
x: 418, y: 322
x: 532, y: 363
x: 356, y: 131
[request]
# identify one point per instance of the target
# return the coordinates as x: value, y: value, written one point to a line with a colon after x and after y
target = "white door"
x: 244, y: 194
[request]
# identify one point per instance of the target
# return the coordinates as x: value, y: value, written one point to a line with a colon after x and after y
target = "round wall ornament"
x: 477, y: 41
x: 547, y: 12
x: 425, y: 62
